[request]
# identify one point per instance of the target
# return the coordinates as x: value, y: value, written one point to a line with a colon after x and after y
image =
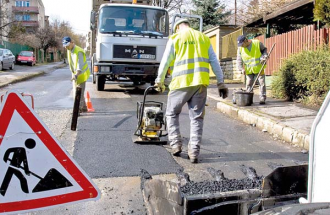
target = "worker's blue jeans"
x: 195, y: 97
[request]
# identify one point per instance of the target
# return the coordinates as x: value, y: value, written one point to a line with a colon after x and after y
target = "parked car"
x: 7, y: 59
x: 26, y: 57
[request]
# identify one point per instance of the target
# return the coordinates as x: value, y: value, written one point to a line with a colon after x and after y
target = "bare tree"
x: 62, y: 29
x: 256, y: 9
x: 9, y: 26
x: 46, y: 38
x: 31, y: 40
x: 174, y: 6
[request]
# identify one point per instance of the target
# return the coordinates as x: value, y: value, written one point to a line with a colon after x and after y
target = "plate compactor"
x: 151, y: 121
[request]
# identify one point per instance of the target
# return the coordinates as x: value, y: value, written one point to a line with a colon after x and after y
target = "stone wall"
x: 230, y: 70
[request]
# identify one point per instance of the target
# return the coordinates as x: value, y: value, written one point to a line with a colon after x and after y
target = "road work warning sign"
x: 35, y: 170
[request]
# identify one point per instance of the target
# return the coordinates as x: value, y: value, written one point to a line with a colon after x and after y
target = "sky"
x: 76, y: 12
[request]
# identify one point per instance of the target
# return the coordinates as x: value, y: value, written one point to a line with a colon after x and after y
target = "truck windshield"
x: 133, y: 20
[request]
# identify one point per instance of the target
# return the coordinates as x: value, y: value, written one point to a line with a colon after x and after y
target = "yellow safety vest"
x: 191, y: 64
x: 251, y: 59
x: 85, y: 73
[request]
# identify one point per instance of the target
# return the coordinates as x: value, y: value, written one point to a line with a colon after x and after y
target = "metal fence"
x: 229, y: 44
x: 15, y: 48
x: 307, y: 38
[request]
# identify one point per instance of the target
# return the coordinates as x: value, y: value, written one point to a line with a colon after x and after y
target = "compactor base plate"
x: 139, y: 140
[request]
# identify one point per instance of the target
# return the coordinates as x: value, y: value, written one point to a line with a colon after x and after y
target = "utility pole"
x: 235, y: 12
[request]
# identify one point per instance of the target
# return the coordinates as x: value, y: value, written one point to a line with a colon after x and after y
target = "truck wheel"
x: 100, y: 82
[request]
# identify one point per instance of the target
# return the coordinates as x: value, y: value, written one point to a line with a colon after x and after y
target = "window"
x: 133, y: 20
x: 18, y: 17
x: 22, y: 17
x: 26, y: 17
x: 22, y: 3
x: 26, y: 54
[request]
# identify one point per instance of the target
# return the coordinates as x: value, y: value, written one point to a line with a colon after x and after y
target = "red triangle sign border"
x: 13, y: 101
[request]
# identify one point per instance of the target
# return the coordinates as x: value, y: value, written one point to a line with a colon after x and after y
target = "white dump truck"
x: 128, y: 39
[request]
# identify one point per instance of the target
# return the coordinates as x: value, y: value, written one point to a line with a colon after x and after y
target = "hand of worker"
x: 160, y: 87
x: 243, y: 71
x: 74, y: 78
x: 223, y: 90
x: 263, y: 58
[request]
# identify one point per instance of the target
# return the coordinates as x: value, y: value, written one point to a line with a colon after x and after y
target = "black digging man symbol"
x: 52, y: 180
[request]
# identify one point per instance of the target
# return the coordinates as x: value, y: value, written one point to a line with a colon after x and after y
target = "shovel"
x: 52, y: 180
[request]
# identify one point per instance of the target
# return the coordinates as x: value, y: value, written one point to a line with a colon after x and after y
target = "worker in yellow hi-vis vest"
x: 251, y: 54
x: 79, y: 68
x: 188, y: 53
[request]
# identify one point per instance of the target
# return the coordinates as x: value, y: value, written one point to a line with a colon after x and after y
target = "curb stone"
x: 277, y: 129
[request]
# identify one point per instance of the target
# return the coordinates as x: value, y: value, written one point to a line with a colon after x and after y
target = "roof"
x: 219, y: 27
x: 133, y: 6
x: 296, y: 12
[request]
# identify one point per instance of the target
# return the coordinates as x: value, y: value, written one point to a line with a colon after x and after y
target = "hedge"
x: 304, y: 77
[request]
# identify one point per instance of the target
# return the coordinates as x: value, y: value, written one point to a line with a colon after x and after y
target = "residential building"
x: 31, y: 13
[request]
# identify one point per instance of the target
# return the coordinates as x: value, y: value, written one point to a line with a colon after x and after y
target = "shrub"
x: 304, y: 77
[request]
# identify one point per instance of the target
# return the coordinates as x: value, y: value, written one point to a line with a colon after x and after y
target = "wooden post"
x: 75, y: 111
x: 235, y: 12
x: 268, y: 31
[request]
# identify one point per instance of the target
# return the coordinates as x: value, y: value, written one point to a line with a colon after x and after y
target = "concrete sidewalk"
x: 13, y: 76
x: 287, y: 121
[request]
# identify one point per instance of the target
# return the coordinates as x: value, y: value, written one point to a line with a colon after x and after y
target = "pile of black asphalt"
x: 206, y: 187
x: 221, y: 183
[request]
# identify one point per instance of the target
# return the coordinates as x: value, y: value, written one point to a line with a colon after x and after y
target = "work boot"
x: 262, y: 100
x: 176, y: 150
x: 193, y: 159
x: 192, y: 155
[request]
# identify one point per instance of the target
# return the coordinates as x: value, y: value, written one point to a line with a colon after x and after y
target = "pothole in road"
x: 223, y: 195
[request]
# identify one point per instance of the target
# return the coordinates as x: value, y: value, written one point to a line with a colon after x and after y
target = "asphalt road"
x: 102, y: 144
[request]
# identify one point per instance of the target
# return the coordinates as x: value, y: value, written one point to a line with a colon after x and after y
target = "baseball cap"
x: 66, y: 41
x: 178, y: 22
x: 240, y: 40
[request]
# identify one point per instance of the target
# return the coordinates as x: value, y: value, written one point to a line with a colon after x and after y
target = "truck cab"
x: 129, y: 42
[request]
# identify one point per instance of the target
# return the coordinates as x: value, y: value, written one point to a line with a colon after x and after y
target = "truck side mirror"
x: 92, y: 25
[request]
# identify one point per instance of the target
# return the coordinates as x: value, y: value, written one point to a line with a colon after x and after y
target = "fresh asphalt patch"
x: 104, y: 148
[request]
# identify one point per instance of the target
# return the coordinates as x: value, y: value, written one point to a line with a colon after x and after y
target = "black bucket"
x: 243, y: 98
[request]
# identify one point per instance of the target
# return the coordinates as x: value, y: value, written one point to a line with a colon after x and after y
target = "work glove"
x: 160, y: 87
x: 223, y: 90
x: 263, y: 58
x: 243, y: 71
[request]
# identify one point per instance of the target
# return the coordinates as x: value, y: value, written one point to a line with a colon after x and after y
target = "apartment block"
x: 30, y: 13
